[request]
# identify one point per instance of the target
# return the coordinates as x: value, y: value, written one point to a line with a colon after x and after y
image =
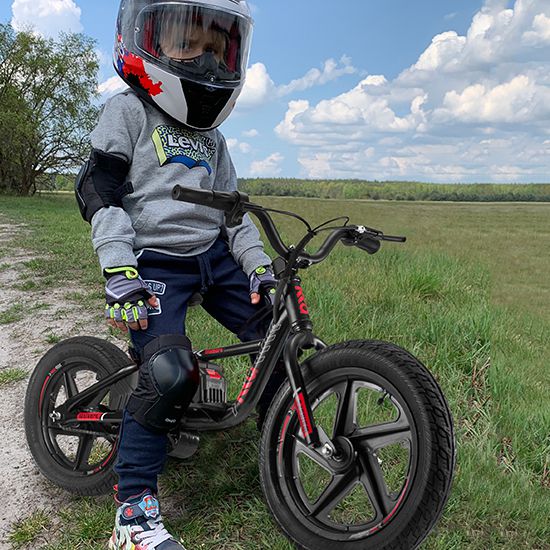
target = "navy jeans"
x: 225, y: 290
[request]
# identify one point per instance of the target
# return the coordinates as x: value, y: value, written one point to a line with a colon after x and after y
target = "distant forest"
x: 397, y: 191
x: 374, y: 190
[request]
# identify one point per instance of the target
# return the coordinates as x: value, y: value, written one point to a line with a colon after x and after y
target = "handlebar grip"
x: 372, y: 246
x: 214, y: 199
x: 395, y: 239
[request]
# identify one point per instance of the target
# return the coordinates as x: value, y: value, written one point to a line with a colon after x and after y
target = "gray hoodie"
x: 161, y: 154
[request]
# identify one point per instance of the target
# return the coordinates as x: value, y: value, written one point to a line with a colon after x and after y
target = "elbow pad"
x: 101, y: 182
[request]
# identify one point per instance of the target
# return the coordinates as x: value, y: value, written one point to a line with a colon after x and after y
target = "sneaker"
x: 138, y: 526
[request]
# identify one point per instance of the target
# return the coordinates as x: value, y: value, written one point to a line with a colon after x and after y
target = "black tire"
x: 84, y: 360
x: 413, y: 426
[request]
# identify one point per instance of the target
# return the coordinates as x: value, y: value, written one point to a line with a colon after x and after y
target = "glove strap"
x: 128, y: 271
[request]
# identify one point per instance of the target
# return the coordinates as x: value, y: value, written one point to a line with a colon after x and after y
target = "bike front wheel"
x: 387, y: 484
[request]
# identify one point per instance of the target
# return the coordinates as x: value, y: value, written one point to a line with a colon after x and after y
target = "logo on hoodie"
x: 178, y: 145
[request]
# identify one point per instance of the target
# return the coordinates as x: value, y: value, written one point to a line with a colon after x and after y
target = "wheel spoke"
x: 337, y: 490
x: 382, y: 435
x: 344, y: 423
x: 85, y: 445
x: 373, y: 481
x: 59, y: 430
x: 70, y: 385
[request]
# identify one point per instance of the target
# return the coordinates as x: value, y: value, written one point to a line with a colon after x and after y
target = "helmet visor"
x: 203, y: 44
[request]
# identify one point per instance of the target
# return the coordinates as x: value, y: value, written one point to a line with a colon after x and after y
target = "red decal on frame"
x: 301, y: 300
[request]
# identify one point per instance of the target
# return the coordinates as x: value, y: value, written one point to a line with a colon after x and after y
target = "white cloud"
x: 252, y: 133
x: 541, y: 31
x: 259, y: 88
x: 444, y: 50
x: 289, y: 129
x: 375, y: 80
x: 473, y: 107
x: 111, y: 86
x: 46, y: 17
x: 332, y: 70
x: 268, y: 167
x: 518, y: 101
x: 235, y: 145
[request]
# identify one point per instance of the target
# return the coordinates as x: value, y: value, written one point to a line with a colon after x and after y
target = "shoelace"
x: 154, y: 536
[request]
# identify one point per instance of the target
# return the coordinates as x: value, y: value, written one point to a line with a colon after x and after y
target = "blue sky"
x: 432, y: 90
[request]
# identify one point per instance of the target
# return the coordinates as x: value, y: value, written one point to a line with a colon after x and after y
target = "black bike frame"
x: 286, y: 336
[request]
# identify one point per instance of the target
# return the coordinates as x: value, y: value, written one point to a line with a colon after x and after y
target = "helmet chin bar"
x: 201, y: 113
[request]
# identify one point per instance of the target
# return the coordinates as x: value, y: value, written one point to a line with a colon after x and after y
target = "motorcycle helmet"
x: 187, y: 58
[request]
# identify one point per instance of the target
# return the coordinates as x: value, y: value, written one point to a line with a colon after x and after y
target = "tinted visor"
x: 195, y: 41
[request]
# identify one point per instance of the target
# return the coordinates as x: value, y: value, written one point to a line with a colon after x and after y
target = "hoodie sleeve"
x: 244, y: 240
x: 117, y: 133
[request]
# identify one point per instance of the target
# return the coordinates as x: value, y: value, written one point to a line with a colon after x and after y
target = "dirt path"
x: 22, y: 343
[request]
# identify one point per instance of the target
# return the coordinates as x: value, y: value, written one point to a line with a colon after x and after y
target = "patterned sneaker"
x: 138, y: 526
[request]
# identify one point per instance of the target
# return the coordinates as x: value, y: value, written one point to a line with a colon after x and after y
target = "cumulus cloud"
x: 473, y: 107
x: 540, y: 34
x: 46, y: 17
x: 235, y: 145
x: 332, y: 70
x: 520, y: 100
x: 259, y: 88
x: 270, y: 166
x: 252, y: 133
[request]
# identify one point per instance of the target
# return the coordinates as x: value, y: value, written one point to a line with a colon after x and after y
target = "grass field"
x: 468, y: 294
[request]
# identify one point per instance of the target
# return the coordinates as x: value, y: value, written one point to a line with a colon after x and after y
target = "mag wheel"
x: 78, y: 456
x: 392, y: 429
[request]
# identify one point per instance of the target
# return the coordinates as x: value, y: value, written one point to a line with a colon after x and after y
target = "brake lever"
x: 364, y: 239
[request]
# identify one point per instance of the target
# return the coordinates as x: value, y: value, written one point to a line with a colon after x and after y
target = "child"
x: 185, y: 63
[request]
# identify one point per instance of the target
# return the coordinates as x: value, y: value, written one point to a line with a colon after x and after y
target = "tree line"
x: 396, y: 190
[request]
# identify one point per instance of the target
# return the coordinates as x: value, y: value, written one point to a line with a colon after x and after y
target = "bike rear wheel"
x: 389, y: 421
x: 79, y: 457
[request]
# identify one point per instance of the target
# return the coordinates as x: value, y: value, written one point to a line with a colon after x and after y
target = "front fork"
x: 302, y: 338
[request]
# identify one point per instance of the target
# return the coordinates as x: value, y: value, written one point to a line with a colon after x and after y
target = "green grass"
x: 12, y: 314
x: 468, y: 294
x: 53, y: 338
x: 29, y: 529
x: 9, y: 376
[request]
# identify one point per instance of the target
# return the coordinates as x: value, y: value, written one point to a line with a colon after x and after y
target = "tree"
x: 47, y: 88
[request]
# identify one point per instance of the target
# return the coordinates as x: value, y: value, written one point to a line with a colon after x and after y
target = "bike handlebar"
x: 221, y: 200
x: 235, y: 204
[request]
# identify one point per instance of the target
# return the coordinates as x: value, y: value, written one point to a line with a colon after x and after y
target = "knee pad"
x: 168, y: 379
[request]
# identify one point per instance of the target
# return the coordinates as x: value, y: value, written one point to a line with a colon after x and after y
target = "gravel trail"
x: 22, y: 343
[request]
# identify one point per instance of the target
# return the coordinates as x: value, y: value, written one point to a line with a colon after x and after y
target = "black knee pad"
x: 168, y: 379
